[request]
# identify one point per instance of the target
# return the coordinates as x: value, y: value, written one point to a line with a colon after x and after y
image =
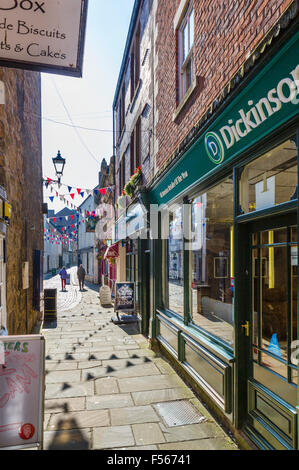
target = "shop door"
x: 272, y: 332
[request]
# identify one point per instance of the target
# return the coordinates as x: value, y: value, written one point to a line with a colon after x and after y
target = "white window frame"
x: 189, y: 60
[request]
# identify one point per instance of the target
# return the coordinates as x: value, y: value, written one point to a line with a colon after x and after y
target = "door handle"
x: 246, y: 328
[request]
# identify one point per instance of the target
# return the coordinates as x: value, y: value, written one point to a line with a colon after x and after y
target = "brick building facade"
x: 21, y: 177
x: 225, y: 35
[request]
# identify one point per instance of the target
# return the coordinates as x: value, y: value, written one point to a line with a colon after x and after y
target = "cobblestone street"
x: 105, y: 389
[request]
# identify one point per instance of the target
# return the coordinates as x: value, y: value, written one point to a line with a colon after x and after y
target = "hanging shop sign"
x: 125, y: 297
x: 269, y: 100
x: 22, y: 369
x: 43, y: 35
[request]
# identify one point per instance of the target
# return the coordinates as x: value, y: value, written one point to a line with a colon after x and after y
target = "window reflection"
x: 212, y: 261
x: 271, y: 179
x: 175, y: 262
x: 274, y: 303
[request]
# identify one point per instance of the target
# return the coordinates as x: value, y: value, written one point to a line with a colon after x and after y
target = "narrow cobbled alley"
x: 106, y: 390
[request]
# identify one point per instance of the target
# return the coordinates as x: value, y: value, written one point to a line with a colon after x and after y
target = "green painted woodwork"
x: 199, y: 161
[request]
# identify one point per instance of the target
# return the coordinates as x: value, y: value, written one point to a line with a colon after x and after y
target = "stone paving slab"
x: 102, y: 383
x: 139, y: 384
x: 63, y: 376
x: 74, y: 439
x: 158, y: 396
x: 149, y: 433
x: 69, y: 390
x: 109, y: 401
x: 106, y: 385
x: 200, y: 444
x: 114, y: 436
x: 79, y: 419
x: 67, y: 404
x: 133, y: 415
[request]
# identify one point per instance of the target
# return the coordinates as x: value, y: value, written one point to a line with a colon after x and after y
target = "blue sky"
x: 88, y: 99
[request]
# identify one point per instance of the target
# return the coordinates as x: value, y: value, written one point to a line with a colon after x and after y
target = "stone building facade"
x: 21, y: 177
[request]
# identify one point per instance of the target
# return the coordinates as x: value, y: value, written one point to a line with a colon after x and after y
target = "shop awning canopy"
x: 112, y: 251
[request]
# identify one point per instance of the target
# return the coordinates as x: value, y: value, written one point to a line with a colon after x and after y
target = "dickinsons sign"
x: 43, y: 35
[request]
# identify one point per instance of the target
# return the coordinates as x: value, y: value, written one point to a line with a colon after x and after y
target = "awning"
x: 112, y: 251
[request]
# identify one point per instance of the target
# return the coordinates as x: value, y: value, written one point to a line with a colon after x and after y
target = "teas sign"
x: 21, y: 391
x: 43, y: 35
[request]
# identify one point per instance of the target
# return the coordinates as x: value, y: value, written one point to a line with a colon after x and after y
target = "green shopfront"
x: 225, y: 265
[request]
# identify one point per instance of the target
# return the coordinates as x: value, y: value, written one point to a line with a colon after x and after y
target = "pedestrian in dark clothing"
x: 81, y: 276
x: 63, y: 275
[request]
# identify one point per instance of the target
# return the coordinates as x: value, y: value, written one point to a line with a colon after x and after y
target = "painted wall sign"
x: 21, y: 391
x: 266, y: 103
x: 43, y: 35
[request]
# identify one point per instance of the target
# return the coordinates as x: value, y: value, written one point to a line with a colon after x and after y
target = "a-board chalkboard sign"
x: 124, y: 297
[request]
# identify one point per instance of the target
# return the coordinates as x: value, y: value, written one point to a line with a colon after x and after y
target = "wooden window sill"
x: 185, y: 99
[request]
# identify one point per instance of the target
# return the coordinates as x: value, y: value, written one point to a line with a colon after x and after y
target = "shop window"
x: 212, y: 261
x: 175, y: 262
x: 185, y: 52
x: 270, y: 179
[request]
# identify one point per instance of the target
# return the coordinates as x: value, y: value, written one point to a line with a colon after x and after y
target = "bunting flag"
x: 79, y: 190
x: 70, y: 188
x: 51, y: 198
x: 82, y: 193
x: 72, y: 195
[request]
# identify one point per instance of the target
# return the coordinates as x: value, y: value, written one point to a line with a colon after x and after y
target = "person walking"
x: 63, y: 276
x: 81, y: 276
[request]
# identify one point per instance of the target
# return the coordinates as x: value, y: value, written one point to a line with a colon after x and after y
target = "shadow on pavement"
x: 68, y: 436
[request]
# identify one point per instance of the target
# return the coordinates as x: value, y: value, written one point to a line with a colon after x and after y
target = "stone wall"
x: 21, y: 176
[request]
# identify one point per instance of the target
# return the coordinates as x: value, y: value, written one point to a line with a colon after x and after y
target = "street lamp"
x: 59, y: 163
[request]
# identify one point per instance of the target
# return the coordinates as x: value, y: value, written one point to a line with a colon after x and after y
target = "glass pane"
x: 294, y: 296
x: 274, y: 364
x: 294, y: 237
x: 186, y: 42
x: 212, y: 261
x: 274, y: 236
x: 270, y: 179
x: 255, y: 280
x: 191, y: 26
x: 175, y: 262
x: 274, y: 288
x: 188, y: 76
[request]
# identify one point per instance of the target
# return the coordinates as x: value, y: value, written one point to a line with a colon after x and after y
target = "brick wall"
x: 21, y: 176
x: 225, y: 33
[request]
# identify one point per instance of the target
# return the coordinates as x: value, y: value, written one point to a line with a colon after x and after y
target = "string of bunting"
x: 81, y: 191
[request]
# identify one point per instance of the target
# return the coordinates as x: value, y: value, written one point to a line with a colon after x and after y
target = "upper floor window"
x: 135, y: 63
x: 185, y: 52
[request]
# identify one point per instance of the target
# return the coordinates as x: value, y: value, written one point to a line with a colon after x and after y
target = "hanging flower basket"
x: 133, y: 183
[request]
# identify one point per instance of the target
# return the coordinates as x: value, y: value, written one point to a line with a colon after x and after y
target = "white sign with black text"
x: 43, y: 35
